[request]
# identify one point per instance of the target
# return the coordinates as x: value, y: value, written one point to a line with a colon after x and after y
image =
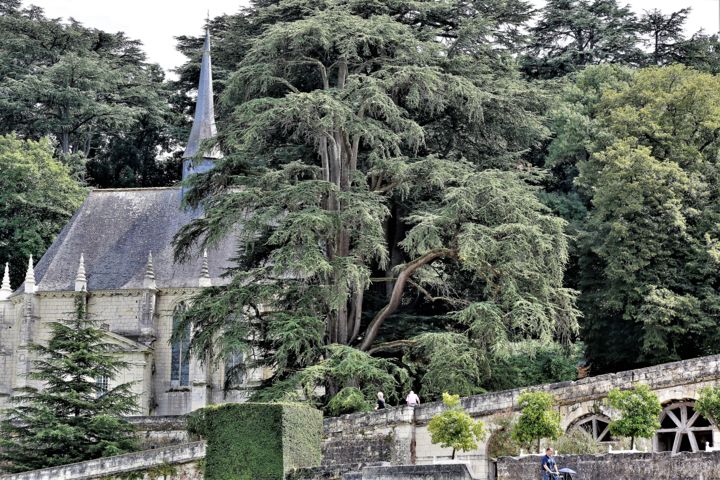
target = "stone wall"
x: 157, y: 432
x: 180, y: 462
x: 625, y: 466
x: 383, y: 436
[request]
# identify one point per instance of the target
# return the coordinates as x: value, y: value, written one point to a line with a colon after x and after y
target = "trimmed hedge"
x: 257, y: 441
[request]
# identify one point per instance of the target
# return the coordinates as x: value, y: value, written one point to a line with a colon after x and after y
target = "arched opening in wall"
x: 682, y: 429
x: 596, y: 425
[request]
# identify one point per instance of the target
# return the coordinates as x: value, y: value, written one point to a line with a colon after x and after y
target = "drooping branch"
x: 397, y: 291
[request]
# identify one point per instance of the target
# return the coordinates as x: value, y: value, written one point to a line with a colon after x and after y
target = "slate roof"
x: 115, y: 230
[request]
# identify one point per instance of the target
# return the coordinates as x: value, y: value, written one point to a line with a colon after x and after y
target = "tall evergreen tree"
x: 664, y: 37
x: 363, y: 149
x: 91, y: 91
x: 72, y: 417
x: 573, y: 33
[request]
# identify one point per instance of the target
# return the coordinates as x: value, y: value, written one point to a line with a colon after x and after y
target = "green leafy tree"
x: 37, y: 197
x: 708, y: 403
x: 650, y: 239
x: 453, y: 428
x: 370, y: 163
x: 72, y: 417
x: 639, y: 410
x: 538, y: 419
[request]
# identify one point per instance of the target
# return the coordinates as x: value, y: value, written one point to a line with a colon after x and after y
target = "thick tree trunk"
x: 396, y: 295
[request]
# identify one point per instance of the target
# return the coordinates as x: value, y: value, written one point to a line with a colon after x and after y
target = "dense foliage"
x: 641, y: 150
x: 74, y: 417
x: 37, y: 197
x: 462, y: 196
x: 538, y: 419
x: 93, y: 92
x: 257, y: 440
x: 639, y: 409
x: 453, y: 428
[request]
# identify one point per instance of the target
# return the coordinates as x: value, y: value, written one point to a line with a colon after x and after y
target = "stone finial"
x: 80, y: 279
x: 30, y: 277
x: 149, y: 281
x: 5, y: 290
x: 205, y: 272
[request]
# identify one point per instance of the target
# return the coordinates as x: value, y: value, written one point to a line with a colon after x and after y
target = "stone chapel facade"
x: 118, y: 248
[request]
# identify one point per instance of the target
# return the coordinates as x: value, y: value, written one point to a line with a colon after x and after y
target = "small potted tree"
x: 454, y: 428
x: 538, y: 419
x: 639, y: 410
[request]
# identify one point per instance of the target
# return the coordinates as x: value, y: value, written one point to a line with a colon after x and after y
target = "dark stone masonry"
x: 621, y: 466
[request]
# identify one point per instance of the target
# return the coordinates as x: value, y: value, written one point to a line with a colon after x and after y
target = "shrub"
x: 454, y: 428
x: 537, y: 420
x: 578, y: 442
x: 501, y: 442
x: 258, y: 441
x: 348, y: 400
x: 639, y: 410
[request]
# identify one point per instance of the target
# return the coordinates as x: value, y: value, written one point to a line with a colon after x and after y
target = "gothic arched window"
x: 179, y: 358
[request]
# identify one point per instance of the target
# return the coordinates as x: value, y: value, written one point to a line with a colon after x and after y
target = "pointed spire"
x: 5, y: 290
x: 80, y: 279
x: 149, y: 281
x: 205, y: 280
x: 203, y: 127
x: 30, y: 277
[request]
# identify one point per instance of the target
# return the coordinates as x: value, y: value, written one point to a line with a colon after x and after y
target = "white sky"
x: 157, y: 22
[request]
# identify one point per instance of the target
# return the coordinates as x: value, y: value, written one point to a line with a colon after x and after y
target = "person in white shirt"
x: 412, y: 399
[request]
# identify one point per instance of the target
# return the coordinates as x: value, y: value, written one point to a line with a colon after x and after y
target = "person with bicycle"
x: 548, y: 466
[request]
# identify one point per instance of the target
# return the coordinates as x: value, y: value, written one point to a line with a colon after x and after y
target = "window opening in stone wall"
x: 180, y: 360
x: 597, y: 425
x: 102, y: 385
x: 682, y: 429
x: 235, y: 370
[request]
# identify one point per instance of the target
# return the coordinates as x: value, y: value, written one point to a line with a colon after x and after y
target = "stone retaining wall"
x: 157, y: 432
x: 180, y: 462
x: 625, y: 466
x: 400, y: 435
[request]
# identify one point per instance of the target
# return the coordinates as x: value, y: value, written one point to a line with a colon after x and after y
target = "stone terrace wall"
x: 626, y: 466
x: 697, y: 370
x: 182, y: 462
x: 400, y: 436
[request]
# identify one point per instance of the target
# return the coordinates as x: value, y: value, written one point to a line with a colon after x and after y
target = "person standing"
x: 380, y: 405
x: 412, y: 399
x: 548, y: 466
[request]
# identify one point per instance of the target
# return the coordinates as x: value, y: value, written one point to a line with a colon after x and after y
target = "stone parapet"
x: 625, y: 466
x: 120, y: 465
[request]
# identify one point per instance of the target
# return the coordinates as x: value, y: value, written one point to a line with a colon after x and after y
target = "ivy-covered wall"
x: 257, y: 441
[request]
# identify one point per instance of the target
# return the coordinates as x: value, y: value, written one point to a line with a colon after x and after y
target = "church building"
x: 118, y: 248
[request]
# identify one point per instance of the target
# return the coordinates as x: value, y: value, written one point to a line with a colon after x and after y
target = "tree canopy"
x: 370, y: 162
